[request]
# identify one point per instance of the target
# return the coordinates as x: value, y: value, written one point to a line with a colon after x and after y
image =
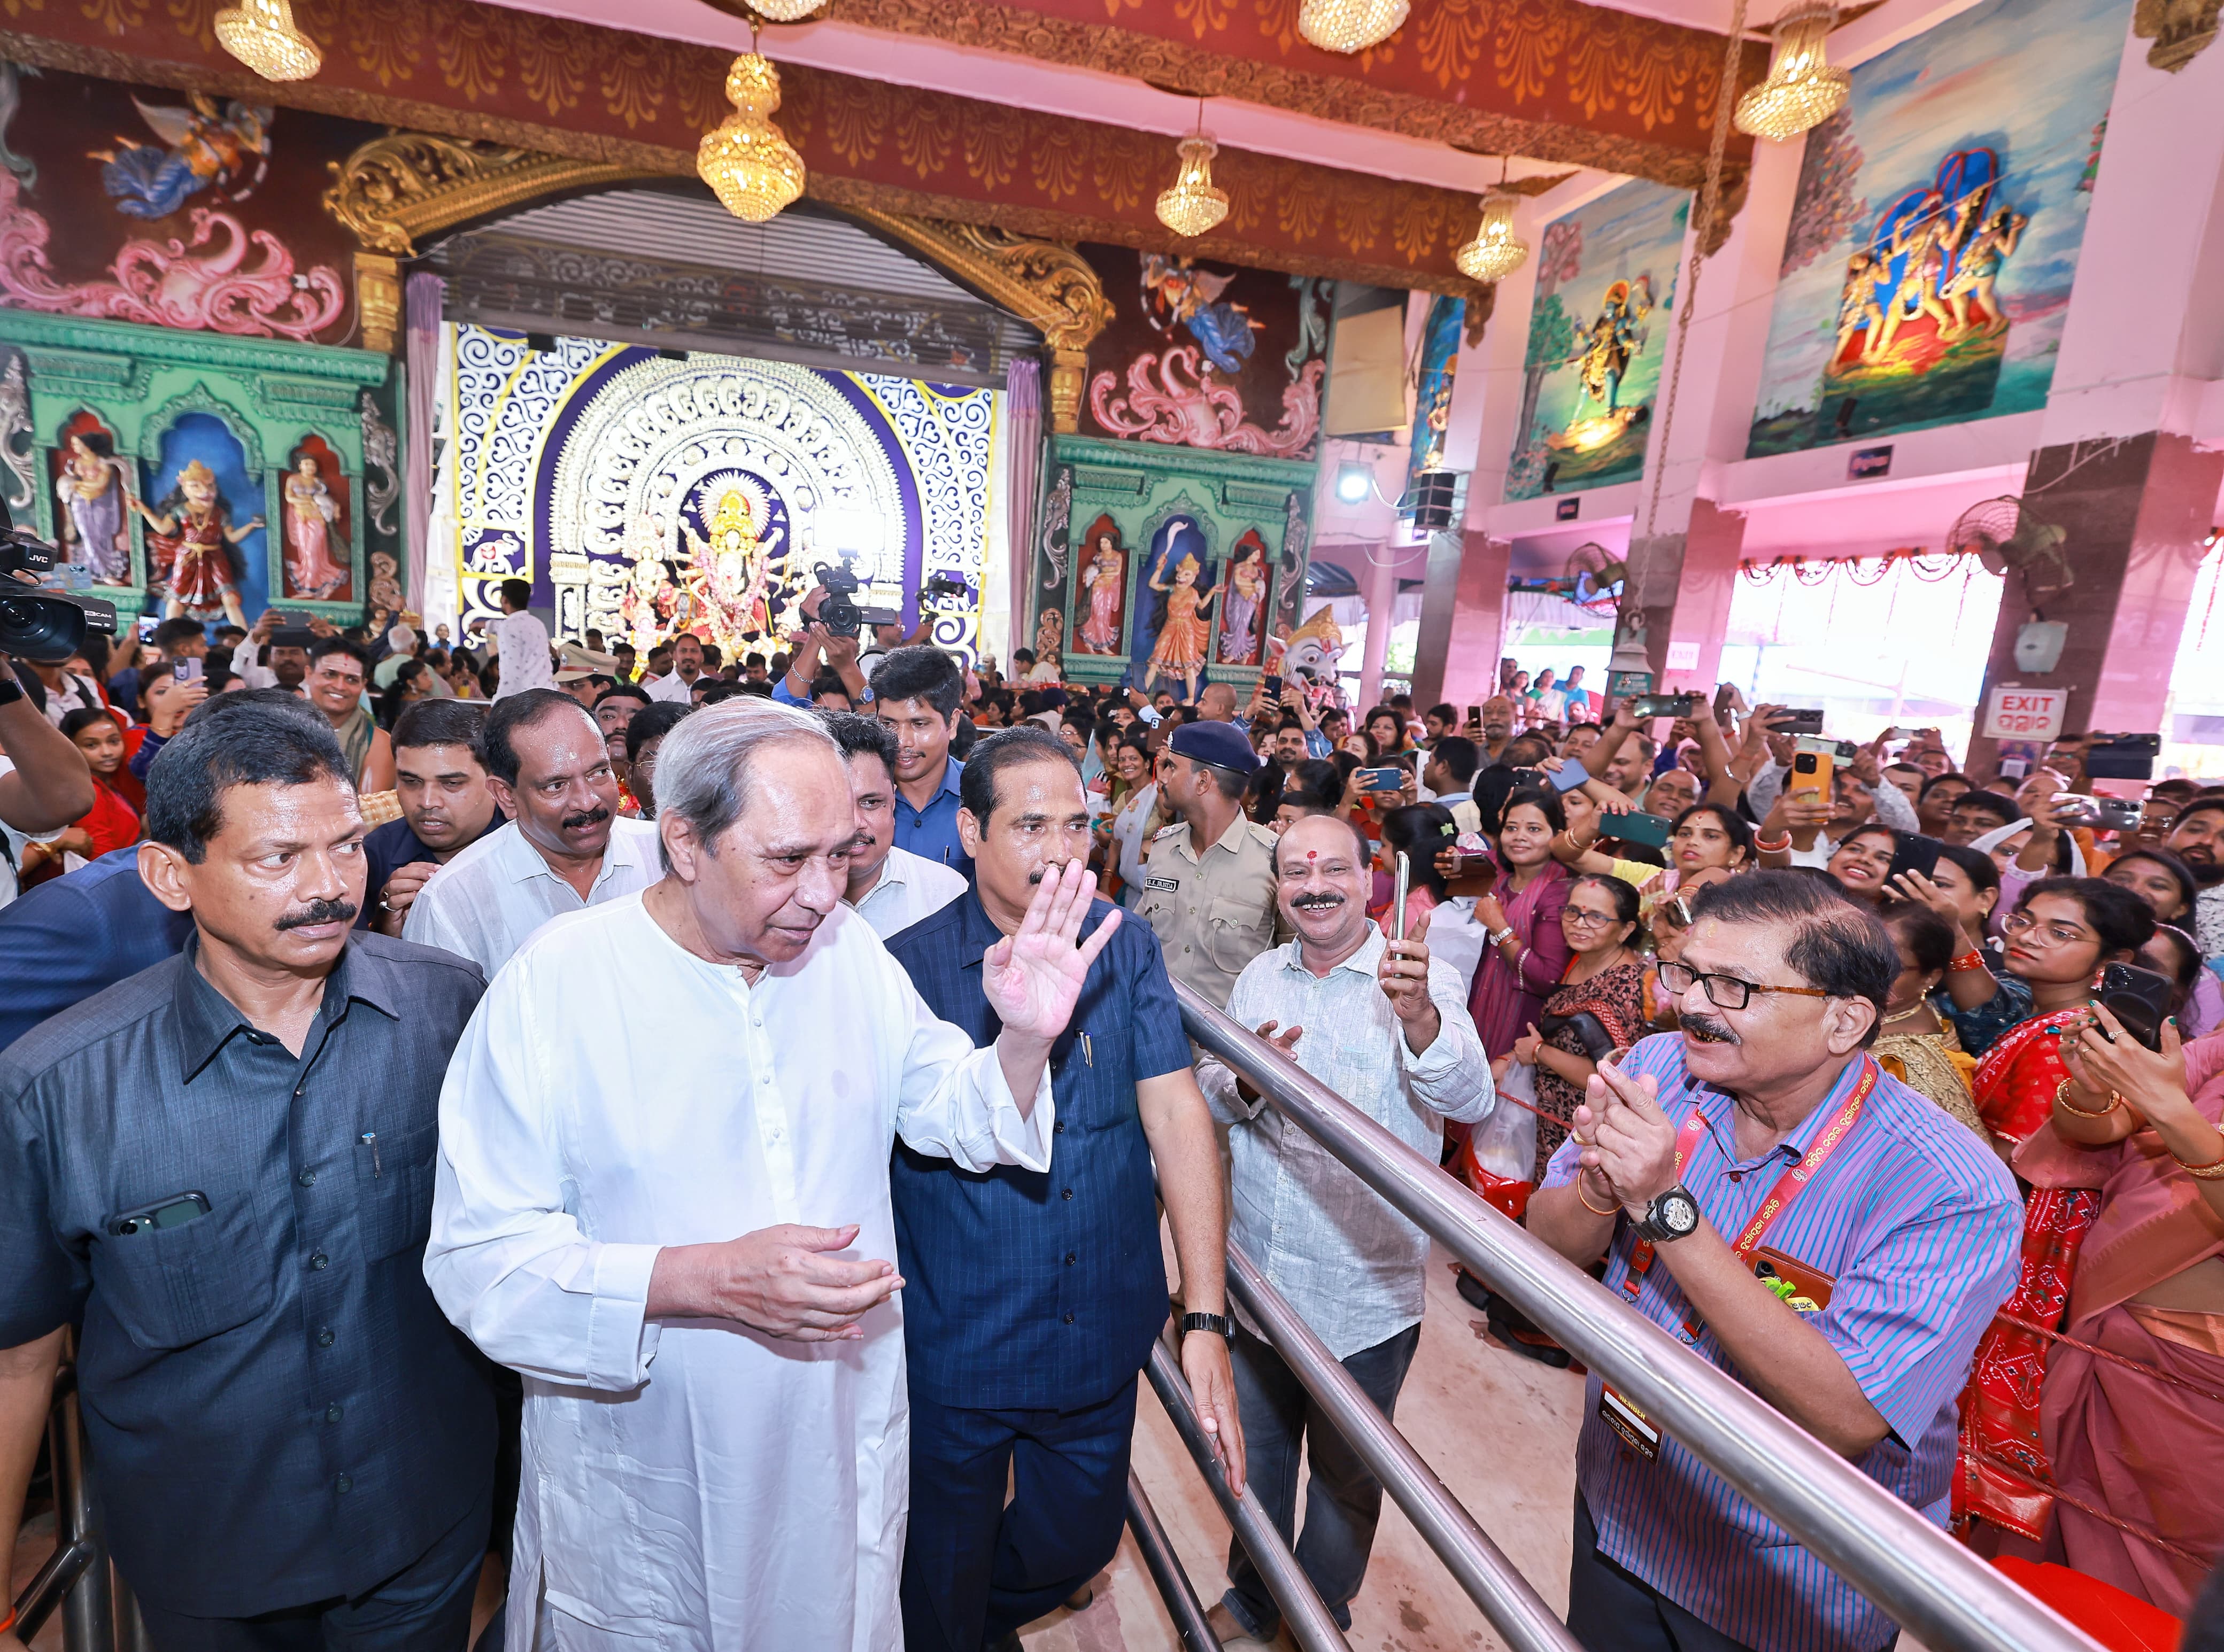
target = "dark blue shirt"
x: 281, y: 1412
x: 68, y: 938
x: 1027, y: 1289
x: 387, y: 849
x: 932, y: 831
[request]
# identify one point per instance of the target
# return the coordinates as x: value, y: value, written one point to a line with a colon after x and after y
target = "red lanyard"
x: 1789, y: 1186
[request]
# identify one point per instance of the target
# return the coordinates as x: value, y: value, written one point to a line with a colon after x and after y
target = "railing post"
x: 1166, y: 1567
x: 88, y: 1611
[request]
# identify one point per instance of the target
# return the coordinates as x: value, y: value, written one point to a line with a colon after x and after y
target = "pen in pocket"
x: 370, y: 1140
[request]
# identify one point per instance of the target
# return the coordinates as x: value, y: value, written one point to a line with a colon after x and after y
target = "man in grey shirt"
x: 1387, y: 1027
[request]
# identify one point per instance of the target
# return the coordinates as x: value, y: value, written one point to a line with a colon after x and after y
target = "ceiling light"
x: 1353, y: 481
x: 785, y: 11
x: 262, y: 34
x: 1803, y: 90
x: 1350, y: 25
x: 744, y: 158
x: 1194, y: 204
x: 1494, y: 252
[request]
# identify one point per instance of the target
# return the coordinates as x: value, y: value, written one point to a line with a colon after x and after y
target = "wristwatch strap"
x: 10, y: 690
x: 1219, y: 1324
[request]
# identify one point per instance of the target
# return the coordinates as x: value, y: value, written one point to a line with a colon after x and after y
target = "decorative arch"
x: 398, y: 189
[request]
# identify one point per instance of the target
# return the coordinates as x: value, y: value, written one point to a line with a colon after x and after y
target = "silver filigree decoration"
x: 17, y: 444
x: 1057, y: 521
x: 381, y: 452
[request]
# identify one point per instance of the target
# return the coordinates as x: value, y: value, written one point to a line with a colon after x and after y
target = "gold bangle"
x: 2212, y: 1171
x: 2062, y: 1099
x: 1611, y: 1210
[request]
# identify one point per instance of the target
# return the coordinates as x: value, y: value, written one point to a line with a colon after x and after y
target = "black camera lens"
x: 49, y: 629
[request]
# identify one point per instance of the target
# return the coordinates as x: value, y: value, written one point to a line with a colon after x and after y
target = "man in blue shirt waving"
x: 1032, y: 1298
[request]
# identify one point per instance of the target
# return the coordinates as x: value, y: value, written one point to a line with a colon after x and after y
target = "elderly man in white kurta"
x: 663, y: 1197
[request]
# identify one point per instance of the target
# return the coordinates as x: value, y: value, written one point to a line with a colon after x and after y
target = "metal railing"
x: 1930, y: 1584
x: 76, y: 1575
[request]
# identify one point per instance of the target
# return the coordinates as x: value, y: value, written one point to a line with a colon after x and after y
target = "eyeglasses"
x: 1576, y: 918
x: 1724, y: 992
x: 2024, y: 926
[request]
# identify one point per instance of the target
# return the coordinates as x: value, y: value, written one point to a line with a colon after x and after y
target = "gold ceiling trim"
x: 1046, y: 284
x: 397, y: 189
x: 2181, y: 30
x: 1195, y: 70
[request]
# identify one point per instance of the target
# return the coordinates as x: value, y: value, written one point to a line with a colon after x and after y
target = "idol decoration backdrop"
x: 178, y: 411
x: 1598, y: 329
x: 1938, y: 226
x: 641, y: 491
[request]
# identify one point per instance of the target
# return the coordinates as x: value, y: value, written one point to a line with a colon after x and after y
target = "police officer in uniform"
x: 1209, y: 883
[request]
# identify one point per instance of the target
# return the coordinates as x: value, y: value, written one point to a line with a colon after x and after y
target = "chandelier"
x: 1350, y: 25
x: 1802, y: 90
x: 1194, y: 204
x: 1495, y: 251
x: 785, y: 11
x: 744, y: 158
x: 262, y: 34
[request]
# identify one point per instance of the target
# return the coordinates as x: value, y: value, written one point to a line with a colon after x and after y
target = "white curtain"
x: 421, y: 299
x: 1023, y: 479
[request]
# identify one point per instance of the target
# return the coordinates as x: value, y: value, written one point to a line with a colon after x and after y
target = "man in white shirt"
x: 566, y: 847
x: 521, y: 642
x: 677, y: 685
x: 1388, y: 1026
x: 662, y: 1195
x: 891, y: 888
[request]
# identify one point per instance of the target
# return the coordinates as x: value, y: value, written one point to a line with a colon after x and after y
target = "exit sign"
x: 2012, y: 712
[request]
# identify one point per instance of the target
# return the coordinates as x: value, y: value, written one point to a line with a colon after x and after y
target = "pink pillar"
x: 2135, y: 518
x: 1463, y: 619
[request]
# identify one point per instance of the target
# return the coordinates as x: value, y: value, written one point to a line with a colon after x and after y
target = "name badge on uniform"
x: 1172, y: 886
x: 1635, y: 1429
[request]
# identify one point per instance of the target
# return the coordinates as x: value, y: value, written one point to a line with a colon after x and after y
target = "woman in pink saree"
x: 2132, y: 1416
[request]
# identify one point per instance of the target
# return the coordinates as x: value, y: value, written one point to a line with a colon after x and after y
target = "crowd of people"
x: 698, y: 1129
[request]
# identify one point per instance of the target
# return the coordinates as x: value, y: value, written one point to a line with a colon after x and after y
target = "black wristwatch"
x: 1672, y: 1214
x: 1219, y: 1324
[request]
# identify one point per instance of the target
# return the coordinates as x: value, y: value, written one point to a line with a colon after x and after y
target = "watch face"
x: 1679, y: 1212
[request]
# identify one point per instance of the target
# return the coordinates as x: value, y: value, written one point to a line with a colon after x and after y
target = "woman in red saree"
x: 2136, y: 1440
x: 2061, y: 933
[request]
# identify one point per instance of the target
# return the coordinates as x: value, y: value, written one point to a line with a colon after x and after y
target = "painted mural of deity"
x: 1183, y: 637
x: 311, y: 571
x: 94, y: 491
x: 1176, y: 293
x: 189, y: 540
x: 733, y: 570
x: 201, y: 147
x: 1103, y: 588
x: 1243, y: 602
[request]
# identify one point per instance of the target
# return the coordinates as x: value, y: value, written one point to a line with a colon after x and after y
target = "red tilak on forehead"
x: 1312, y: 854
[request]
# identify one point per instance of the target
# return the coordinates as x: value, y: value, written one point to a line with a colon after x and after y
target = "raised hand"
x: 1404, y: 972
x: 1631, y: 1141
x: 1284, y: 1042
x: 1032, y: 979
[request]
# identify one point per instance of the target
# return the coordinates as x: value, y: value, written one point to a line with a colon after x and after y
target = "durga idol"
x: 190, y: 540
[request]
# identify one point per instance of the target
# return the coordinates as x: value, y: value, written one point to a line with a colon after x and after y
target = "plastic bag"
x: 1499, y: 1158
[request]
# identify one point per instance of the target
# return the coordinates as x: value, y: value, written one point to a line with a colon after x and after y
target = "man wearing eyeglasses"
x: 1760, y: 1189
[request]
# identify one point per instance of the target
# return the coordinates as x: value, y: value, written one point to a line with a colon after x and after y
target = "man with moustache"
x: 440, y: 781
x: 1497, y: 728
x: 663, y: 1196
x: 2197, y: 838
x: 1033, y: 1295
x: 565, y: 846
x: 677, y: 686
x: 1388, y: 1026
x: 1765, y: 1140
x: 891, y: 888
x: 221, y: 1168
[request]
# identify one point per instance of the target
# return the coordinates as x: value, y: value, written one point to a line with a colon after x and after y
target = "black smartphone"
x: 1272, y: 685
x: 1646, y: 706
x: 2123, y: 757
x: 2138, y: 998
x: 1916, y: 853
x: 292, y: 636
x: 1651, y: 830
x: 173, y: 1212
x: 1804, y: 720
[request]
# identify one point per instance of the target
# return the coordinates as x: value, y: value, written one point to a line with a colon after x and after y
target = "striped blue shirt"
x: 1918, y: 1225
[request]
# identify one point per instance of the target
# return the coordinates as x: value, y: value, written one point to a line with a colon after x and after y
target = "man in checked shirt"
x: 1893, y: 1240
x: 1386, y: 1027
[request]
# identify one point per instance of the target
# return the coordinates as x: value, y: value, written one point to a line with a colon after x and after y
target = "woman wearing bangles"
x: 2140, y: 1128
x: 1525, y: 952
x: 2060, y: 934
x: 1605, y: 980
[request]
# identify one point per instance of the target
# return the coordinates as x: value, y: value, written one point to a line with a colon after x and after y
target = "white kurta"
x: 692, y: 1483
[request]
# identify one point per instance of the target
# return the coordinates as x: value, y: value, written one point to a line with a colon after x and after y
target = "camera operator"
x: 44, y: 782
x: 818, y: 653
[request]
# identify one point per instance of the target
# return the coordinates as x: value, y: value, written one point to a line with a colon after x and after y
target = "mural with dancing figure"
x: 1103, y: 590
x: 171, y: 210
x: 92, y: 495
x: 1598, y: 328
x: 1243, y: 626
x: 1173, y: 611
x: 1198, y: 357
x: 1936, y: 227
x: 205, y: 536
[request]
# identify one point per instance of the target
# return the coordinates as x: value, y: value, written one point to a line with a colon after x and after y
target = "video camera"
x: 46, y: 627
x: 838, y: 611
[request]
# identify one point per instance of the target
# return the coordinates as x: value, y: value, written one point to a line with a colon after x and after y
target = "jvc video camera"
x: 47, y: 626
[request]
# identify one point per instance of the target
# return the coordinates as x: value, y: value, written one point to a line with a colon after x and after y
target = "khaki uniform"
x: 1212, y: 914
